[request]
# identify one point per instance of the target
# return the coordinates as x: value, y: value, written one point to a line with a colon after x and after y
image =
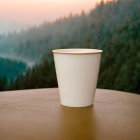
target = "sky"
x: 21, y: 14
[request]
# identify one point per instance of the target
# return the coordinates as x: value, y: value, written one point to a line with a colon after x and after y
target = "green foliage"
x: 40, y: 76
x: 120, y: 68
x: 11, y: 68
x: 3, y: 83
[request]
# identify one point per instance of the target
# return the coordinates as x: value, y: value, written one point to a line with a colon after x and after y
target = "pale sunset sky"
x: 21, y: 14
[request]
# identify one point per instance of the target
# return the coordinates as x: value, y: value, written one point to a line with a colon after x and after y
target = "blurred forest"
x: 113, y: 27
x: 10, y: 69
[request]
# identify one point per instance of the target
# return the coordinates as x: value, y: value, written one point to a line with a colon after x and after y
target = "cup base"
x: 77, y: 106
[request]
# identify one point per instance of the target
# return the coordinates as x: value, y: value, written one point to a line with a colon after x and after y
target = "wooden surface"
x: 38, y: 115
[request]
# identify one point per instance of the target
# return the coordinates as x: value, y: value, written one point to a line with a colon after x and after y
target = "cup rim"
x: 77, y: 51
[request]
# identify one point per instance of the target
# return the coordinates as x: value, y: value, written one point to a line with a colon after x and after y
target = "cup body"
x: 77, y: 73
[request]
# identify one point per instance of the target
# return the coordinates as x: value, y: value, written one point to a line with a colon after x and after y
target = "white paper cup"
x: 77, y: 73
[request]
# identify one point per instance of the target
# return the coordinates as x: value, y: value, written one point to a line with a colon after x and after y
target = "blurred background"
x: 30, y: 30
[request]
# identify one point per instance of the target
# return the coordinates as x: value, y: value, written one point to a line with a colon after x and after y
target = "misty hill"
x: 84, y: 31
x: 113, y: 27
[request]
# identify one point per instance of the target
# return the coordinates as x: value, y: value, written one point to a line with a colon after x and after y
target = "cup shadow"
x: 77, y: 123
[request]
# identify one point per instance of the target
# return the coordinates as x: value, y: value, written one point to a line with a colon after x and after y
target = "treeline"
x: 113, y: 27
x: 120, y: 66
x: 3, y: 83
x: 40, y: 76
x: 11, y: 68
